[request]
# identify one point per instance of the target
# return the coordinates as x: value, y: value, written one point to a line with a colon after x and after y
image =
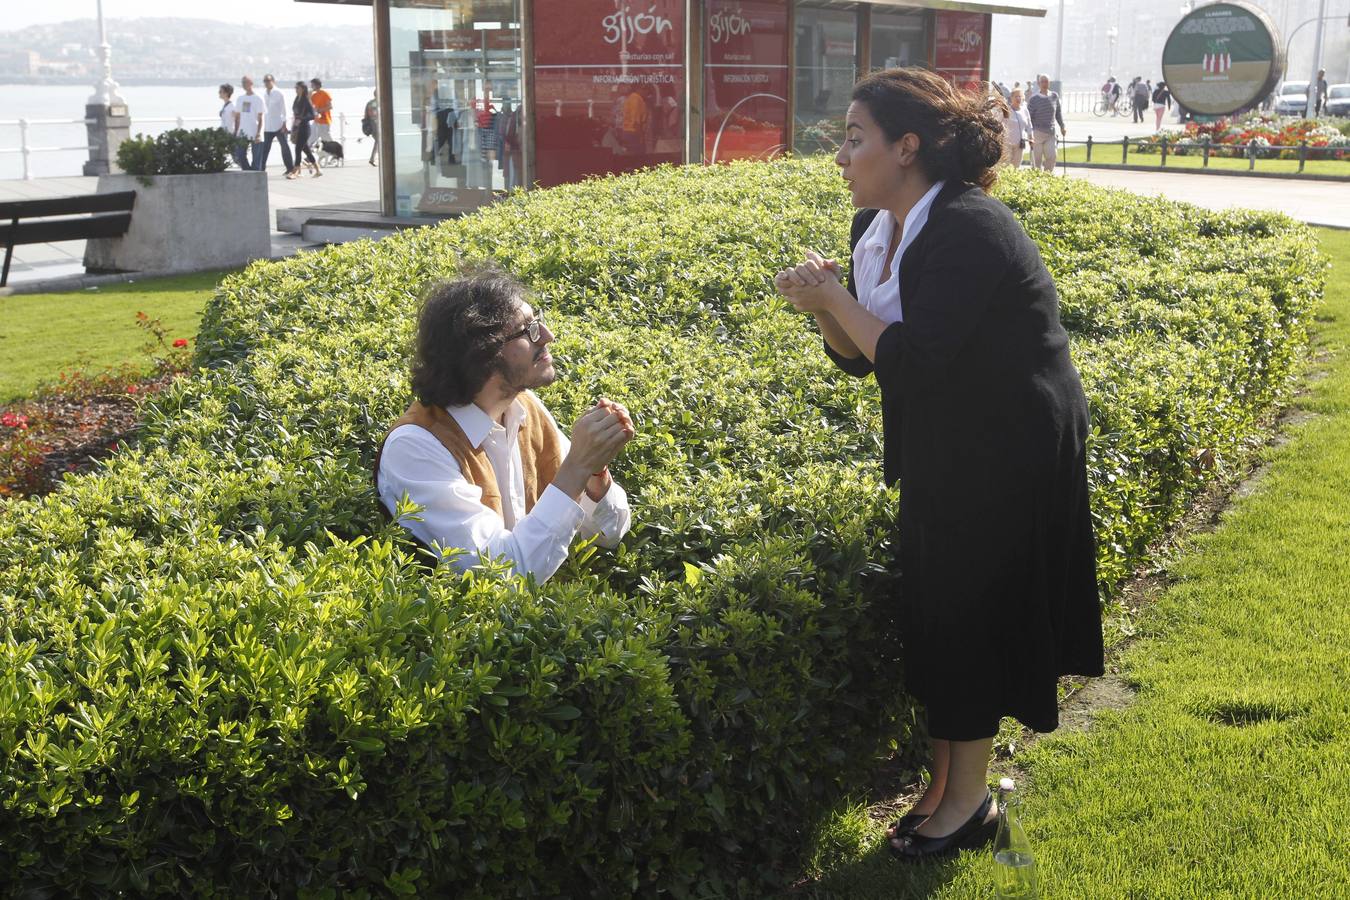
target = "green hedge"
x: 221, y: 674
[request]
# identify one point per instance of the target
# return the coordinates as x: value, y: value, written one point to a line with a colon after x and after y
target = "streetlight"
x: 1111, y: 34
x: 105, y: 91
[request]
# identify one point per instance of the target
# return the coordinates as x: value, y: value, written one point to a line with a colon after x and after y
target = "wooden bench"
x: 63, y: 219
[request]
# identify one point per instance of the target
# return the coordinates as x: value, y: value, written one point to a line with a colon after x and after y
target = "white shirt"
x: 879, y: 288
x: 453, y: 515
x: 1017, y: 127
x: 249, y: 106
x: 227, y: 117
x: 276, y: 110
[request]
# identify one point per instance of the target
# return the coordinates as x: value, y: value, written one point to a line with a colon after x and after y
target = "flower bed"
x: 221, y: 673
x: 1273, y: 137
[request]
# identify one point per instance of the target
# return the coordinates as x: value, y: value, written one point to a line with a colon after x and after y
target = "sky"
x: 18, y: 14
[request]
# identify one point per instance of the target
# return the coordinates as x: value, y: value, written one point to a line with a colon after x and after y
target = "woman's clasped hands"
x: 813, y: 285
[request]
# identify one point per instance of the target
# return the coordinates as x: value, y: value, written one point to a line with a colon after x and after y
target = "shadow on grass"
x: 877, y: 874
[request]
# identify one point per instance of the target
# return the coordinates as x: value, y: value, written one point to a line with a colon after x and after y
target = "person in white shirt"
x: 274, y: 126
x: 229, y: 123
x: 492, y: 473
x: 1016, y: 130
x: 249, y: 110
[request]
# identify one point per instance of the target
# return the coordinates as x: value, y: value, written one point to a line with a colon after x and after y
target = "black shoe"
x: 973, y: 833
x: 907, y: 823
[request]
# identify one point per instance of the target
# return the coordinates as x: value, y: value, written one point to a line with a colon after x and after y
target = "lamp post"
x: 1059, y: 51
x: 105, y: 91
x: 1111, y: 34
x: 105, y: 113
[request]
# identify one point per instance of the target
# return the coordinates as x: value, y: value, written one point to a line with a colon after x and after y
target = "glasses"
x: 530, y: 331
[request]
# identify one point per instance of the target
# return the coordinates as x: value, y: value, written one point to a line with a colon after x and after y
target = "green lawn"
x: 1224, y: 777
x: 42, y: 335
x: 1109, y: 154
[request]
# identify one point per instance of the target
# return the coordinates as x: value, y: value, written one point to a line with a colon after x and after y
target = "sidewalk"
x: 355, y: 183
x: 1315, y: 202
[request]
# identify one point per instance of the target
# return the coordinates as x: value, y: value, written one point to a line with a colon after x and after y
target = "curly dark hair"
x: 459, y: 335
x: 960, y: 132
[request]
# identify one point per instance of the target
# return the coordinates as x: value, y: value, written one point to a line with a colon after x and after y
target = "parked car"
x: 1292, y: 99
x: 1338, y: 100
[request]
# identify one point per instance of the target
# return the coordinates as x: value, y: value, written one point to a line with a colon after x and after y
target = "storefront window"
x: 959, y: 48
x: 826, y: 67
x: 745, y: 72
x: 609, y: 86
x: 457, y: 103
x: 899, y: 38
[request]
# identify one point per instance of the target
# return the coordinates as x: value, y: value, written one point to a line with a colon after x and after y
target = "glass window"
x: 899, y: 38
x: 826, y: 67
x: 744, y: 79
x: 457, y: 103
x: 962, y: 38
x: 609, y: 87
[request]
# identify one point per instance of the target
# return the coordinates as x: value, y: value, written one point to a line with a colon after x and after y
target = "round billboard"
x: 1222, y: 58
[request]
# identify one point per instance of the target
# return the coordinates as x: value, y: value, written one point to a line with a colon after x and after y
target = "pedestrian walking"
x: 1162, y: 102
x: 274, y: 125
x: 1016, y: 129
x: 251, y: 110
x: 323, y: 112
x: 303, y: 112
x: 370, y: 124
x: 1044, y: 111
x: 1320, y: 100
x: 1139, y: 97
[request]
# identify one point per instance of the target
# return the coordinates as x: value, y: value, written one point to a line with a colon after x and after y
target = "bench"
x: 55, y: 219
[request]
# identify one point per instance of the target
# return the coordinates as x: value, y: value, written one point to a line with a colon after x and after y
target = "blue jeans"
x: 241, y: 155
x: 260, y: 157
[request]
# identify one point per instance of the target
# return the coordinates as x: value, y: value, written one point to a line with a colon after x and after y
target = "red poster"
x: 961, y: 40
x: 745, y: 78
x: 609, y: 87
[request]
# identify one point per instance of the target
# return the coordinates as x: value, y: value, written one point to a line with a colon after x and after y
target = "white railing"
x: 26, y: 150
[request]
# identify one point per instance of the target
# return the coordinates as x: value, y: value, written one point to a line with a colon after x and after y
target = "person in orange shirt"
x: 323, y: 111
x: 635, y: 119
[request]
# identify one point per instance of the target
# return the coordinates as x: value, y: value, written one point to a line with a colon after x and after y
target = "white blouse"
x: 879, y: 288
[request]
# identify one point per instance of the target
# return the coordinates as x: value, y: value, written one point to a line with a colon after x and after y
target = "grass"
x: 1108, y: 153
x: 1224, y: 777
x: 42, y: 335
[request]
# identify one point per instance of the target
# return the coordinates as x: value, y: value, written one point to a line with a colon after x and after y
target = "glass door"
x: 456, y: 67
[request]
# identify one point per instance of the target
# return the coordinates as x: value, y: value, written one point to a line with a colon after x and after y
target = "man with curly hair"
x: 477, y: 451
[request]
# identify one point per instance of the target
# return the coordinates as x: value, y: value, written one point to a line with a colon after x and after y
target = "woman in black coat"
x: 985, y: 423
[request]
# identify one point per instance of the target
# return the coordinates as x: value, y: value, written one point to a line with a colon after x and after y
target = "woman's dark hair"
x: 459, y: 334
x: 304, y: 90
x: 960, y: 132
x: 228, y: 89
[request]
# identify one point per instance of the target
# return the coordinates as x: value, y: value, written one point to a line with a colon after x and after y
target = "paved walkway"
x: 1315, y: 202
x: 354, y: 183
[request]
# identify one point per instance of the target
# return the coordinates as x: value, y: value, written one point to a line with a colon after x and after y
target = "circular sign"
x: 1222, y: 58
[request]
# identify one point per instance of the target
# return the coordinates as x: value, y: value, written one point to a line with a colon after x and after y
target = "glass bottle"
x: 1014, y: 866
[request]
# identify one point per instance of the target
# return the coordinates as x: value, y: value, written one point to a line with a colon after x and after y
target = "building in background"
x: 480, y: 96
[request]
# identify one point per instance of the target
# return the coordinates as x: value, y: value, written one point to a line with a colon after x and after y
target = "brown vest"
x: 540, y: 450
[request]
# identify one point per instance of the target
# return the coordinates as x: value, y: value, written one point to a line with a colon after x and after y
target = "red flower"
x: 131, y: 389
x: 181, y: 342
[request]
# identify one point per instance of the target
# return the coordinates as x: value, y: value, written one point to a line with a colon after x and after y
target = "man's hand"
x: 597, y: 437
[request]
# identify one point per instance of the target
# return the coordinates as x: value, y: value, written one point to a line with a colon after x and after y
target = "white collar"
x: 880, y: 237
x: 477, y: 425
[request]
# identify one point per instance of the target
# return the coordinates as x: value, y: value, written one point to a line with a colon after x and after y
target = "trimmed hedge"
x: 222, y: 674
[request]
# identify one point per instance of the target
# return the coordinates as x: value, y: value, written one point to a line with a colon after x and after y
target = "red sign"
x: 961, y: 41
x: 745, y: 79
x: 609, y: 87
